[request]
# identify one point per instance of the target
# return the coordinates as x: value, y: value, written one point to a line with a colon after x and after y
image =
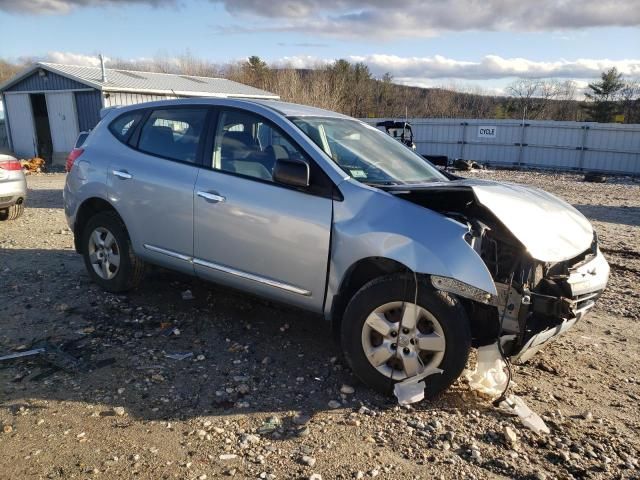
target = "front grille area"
x: 584, y: 302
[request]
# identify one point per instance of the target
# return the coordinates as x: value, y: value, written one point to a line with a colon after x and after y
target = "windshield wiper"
x: 383, y: 184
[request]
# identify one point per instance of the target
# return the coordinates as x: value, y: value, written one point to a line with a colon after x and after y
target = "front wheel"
x: 107, y: 253
x: 388, y: 335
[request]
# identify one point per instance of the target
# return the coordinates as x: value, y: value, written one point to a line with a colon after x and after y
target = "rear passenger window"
x: 122, y: 126
x: 173, y: 133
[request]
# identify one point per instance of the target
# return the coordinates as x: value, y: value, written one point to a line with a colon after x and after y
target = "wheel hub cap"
x: 399, y: 354
x: 104, y: 253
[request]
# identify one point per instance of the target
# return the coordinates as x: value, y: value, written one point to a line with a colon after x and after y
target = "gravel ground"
x: 265, y: 393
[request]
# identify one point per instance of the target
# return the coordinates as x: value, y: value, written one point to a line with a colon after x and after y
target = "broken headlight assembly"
x: 451, y: 285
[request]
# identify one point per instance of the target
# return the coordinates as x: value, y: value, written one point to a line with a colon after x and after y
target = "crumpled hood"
x: 549, y: 228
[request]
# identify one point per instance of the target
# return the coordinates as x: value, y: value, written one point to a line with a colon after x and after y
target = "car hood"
x: 549, y: 228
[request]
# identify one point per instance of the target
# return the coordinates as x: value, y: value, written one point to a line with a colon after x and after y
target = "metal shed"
x: 48, y: 104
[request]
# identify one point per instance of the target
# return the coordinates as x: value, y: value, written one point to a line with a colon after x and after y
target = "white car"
x: 13, y: 188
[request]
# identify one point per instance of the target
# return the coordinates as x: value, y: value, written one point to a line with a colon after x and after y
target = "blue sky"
x: 460, y: 43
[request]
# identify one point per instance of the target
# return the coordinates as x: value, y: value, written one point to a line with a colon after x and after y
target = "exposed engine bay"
x: 536, y: 299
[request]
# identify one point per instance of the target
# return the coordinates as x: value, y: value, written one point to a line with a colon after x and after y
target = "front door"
x: 151, y: 182
x: 250, y: 232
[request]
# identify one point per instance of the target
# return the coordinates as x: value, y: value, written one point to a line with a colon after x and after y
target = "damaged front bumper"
x: 550, y: 316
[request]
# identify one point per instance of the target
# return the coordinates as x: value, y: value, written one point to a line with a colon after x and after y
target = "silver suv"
x: 321, y: 211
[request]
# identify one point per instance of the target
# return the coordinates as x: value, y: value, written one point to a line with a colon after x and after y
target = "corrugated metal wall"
x: 127, y: 98
x: 88, y: 105
x: 51, y: 81
x: 602, y: 147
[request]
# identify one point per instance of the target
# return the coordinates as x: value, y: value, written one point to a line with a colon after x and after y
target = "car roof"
x: 284, y: 108
x: 297, y: 110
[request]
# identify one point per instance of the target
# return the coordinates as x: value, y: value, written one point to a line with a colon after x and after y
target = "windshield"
x: 367, y: 154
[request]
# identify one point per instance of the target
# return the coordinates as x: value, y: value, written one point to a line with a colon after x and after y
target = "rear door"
x: 20, y: 115
x: 252, y: 233
x: 152, y: 184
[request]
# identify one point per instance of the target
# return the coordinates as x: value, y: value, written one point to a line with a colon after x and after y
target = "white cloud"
x: 70, y: 58
x: 301, y: 62
x: 424, y: 18
x: 490, y: 74
x: 387, y: 18
x: 65, y: 6
x: 419, y: 69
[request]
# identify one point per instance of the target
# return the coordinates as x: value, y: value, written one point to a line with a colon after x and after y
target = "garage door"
x: 18, y: 109
x: 63, y: 121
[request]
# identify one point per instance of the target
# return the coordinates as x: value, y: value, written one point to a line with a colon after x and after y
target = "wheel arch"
x: 86, y: 210
x: 356, y: 276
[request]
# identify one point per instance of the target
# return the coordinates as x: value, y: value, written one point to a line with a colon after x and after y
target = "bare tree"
x: 531, y: 98
x: 8, y: 70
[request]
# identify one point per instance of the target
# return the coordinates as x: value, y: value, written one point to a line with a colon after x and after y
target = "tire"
x: 108, y: 228
x: 13, y: 212
x: 441, y: 318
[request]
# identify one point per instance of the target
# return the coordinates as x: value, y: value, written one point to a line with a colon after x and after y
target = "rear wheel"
x: 108, y: 255
x: 13, y: 212
x: 388, y: 335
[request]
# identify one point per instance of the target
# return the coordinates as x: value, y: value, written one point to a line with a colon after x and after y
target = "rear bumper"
x: 586, y: 283
x: 12, y: 192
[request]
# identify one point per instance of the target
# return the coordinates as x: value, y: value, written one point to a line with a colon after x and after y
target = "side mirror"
x: 291, y: 172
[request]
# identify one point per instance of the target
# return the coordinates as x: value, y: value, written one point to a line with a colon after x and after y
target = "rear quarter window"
x: 123, y: 126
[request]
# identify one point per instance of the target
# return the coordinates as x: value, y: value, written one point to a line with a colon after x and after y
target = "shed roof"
x: 146, y: 82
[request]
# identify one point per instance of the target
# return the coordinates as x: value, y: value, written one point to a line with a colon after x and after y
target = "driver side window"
x: 249, y: 145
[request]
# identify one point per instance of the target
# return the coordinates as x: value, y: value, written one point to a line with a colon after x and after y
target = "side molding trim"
x: 231, y: 271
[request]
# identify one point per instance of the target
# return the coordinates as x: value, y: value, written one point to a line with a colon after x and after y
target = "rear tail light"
x: 10, y: 165
x: 72, y: 157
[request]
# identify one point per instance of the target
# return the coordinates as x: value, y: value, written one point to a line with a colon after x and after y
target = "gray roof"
x: 147, y: 82
x: 297, y: 110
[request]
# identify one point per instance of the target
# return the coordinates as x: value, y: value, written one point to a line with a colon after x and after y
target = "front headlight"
x: 451, y: 285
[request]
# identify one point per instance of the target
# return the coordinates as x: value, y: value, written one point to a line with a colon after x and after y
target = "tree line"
x: 352, y: 89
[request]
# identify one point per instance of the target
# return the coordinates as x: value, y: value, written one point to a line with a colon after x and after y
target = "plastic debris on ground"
x: 490, y: 378
x: 179, y: 355
x: 411, y: 390
x: 187, y: 295
x: 170, y: 330
x: 270, y: 425
x: 50, y: 354
x: 530, y: 419
x: 490, y: 375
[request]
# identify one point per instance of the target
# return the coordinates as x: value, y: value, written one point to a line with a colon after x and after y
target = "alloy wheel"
x: 104, y: 253
x: 401, y: 339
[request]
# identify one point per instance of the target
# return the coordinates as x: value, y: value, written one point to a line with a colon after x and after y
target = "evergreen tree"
x: 604, y: 95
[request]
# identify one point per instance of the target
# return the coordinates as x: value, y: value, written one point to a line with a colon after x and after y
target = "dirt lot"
x: 255, y: 399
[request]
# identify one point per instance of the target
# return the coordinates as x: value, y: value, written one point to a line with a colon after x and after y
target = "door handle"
x: 212, y: 196
x: 122, y: 174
